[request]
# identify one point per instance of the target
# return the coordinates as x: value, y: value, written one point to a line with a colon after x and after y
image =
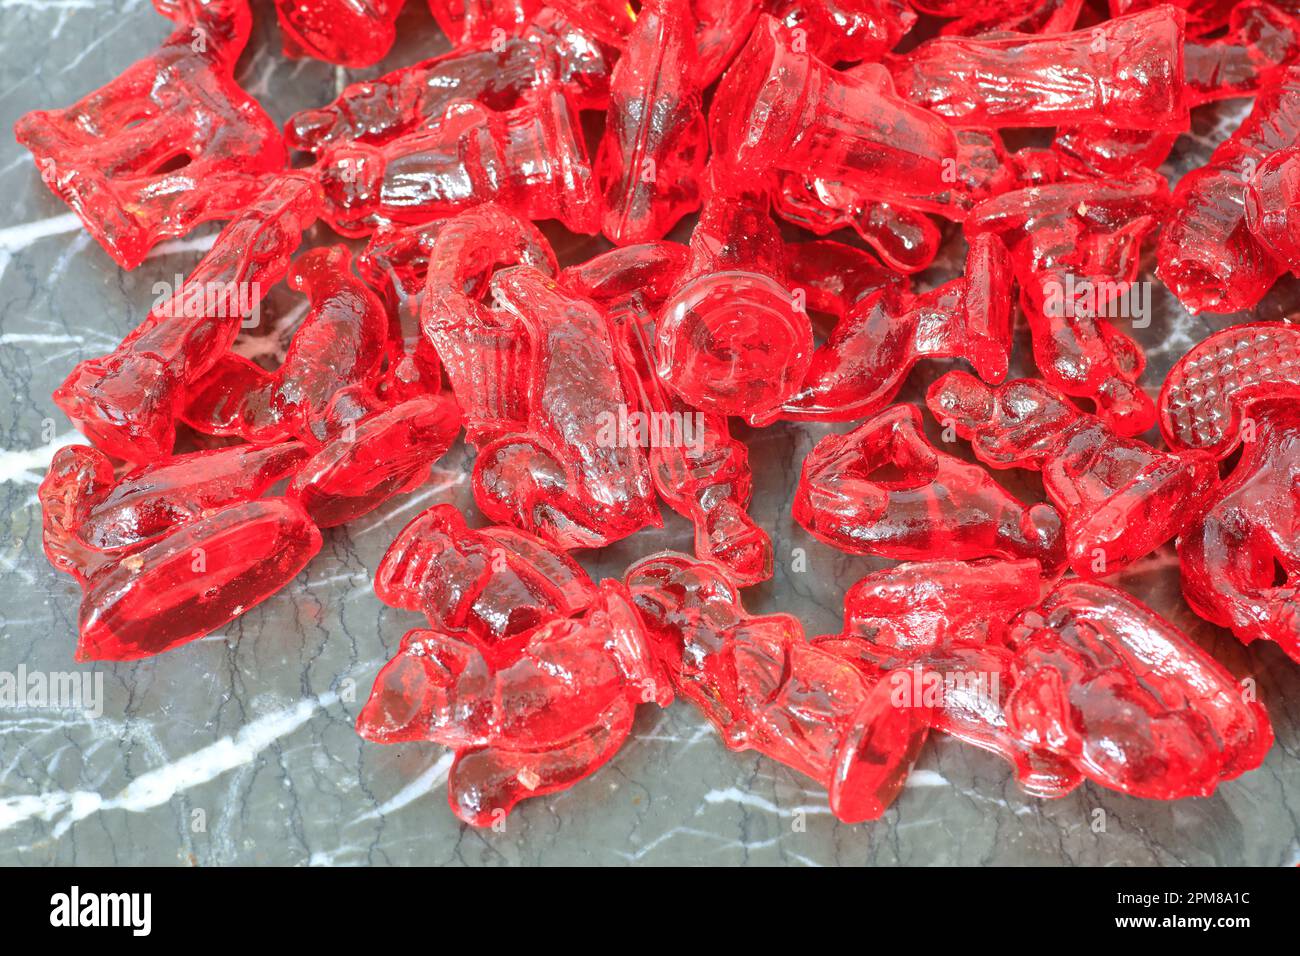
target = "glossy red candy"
x: 1008, y: 16
x: 1203, y: 16
x: 1108, y: 684
x: 778, y: 108
x: 698, y: 468
x: 127, y: 402
x: 531, y: 159
x: 468, y: 21
x: 651, y: 158
x: 175, y: 549
x: 936, y: 633
x: 1126, y: 73
x: 565, y: 471
x: 498, y: 75
x: 1076, y: 247
x: 1261, y: 39
x: 878, y: 339
x: 351, y: 33
x: 846, y: 31
x: 1238, y: 389
x: 376, y: 455
x: 1273, y: 206
x: 340, y: 343
x: 905, y: 239
x: 1207, y: 256
x: 171, y: 143
x: 536, y: 723
x: 1105, y: 152
x: 1089, y: 683
x: 493, y: 585
x: 765, y: 688
x: 731, y: 339
x: 883, y: 489
x: 484, y: 348
x: 1120, y: 498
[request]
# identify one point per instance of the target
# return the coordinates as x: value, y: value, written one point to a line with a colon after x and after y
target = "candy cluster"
x: 457, y: 314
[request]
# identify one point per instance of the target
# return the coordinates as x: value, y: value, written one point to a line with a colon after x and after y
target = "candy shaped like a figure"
x: 732, y: 339
x: 1273, y: 206
x: 492, y: 585
x: 1075, y: 247
x: 698, y: 468
x: 1120, y: 498
x: 562, y: 471
x: 353, y: 33
x: 878, y: 339
x: 1207, y: 255
x: 531, y: 159
x: 906, y: 240
x: 1086, y: 684
x: 373, y: 454
x: 1260, y: 41
x: 651, y: 158
x: 778, y: 108
x: 1240, y: 562
x: 174, y: 549
x: 847, y: 31
x: 484, y: 348
x: 935, y: 633
x: 1106, y: 683
x: 340, y: 343
x: 765, y: 688
x: 127, y: 402
x: 496, y: 74
x: 171, y: 143
x: 468, y: 21
x: 1126, y: 73
x: 536, y: 723
x: 883, y: 489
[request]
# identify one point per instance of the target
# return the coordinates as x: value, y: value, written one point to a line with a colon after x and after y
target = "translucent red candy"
x: 1207, y: 256
x: 778, y: 108
x: 127, y: 402
x: 1126, y: 73
x: 171, y: 143
x: 347, y: 32
x: 340, y: 343
x: 847, y: 31
x: 499, y: 74
x: 467, y: 21
x: 175, y: 549
x: 531, y: 159
x: 1076, y: 247
x: 765, y: 688
x: 1238, y: 389
x: 1120, y: 498
x: 1261, y: 39
x: 530, y: 673
x: 885, y: 331
x: 883, y: 489
x: 732, y: 339
x: 698, y: 468
x: 652, y: 156
x: 1087, y: 683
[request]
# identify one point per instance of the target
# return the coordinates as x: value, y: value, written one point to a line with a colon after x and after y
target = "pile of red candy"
x: 828, y: 113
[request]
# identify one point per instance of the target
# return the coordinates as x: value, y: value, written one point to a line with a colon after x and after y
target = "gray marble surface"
x: 240, y: 748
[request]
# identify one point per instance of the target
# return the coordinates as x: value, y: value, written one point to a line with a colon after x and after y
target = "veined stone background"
x: 240, y: 748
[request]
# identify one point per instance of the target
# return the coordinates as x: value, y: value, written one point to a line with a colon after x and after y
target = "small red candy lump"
x: 641, y: 347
